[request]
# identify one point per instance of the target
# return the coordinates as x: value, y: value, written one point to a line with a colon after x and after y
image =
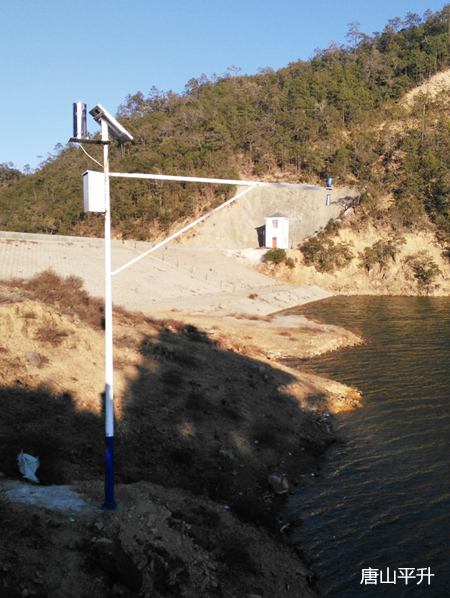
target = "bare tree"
x: 354, y: 35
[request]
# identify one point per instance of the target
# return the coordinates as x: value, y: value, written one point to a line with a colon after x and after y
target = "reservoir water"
x: 383, y: 498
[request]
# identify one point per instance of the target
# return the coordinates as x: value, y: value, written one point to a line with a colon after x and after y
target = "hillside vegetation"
x: 338, y: 114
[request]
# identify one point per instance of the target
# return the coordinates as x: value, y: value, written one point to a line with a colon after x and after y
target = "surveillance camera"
x: 115, y: 129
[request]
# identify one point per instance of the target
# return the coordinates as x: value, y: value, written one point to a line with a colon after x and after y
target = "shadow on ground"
x: 196, y: 416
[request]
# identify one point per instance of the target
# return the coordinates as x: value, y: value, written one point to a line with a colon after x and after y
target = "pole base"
x: 108, y: 507
x: 109, y: 504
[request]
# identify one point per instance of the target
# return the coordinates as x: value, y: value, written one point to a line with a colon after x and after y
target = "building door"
x: 274, y: 242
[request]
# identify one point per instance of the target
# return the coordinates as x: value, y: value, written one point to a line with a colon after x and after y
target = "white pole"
x: 109, y: 390
x: 109, y: 366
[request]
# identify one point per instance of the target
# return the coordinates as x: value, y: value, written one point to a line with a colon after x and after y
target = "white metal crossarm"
x: 166, y: 177
x: 250, y: 184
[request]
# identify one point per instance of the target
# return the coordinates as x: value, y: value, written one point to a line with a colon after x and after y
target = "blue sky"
x: 55, y: 53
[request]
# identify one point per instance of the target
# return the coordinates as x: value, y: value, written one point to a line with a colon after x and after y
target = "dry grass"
x: 170, y: 325
x: 125, y: 342
x: 29, y: 315
x: 50, y: 335
x: 244, y: 316
x: 67, y: 296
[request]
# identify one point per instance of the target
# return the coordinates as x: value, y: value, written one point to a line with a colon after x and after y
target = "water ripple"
x: 384, y: 498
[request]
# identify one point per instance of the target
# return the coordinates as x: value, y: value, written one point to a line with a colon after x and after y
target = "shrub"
x: 380, y: 252
x: 425, y: 270
x: 324, y: 254
x: 332, y: 226
x: 290, y: 263
x: 275, y: 255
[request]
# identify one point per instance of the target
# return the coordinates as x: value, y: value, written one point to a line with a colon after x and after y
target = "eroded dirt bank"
x: 210, y: 434
x: 405, y: 274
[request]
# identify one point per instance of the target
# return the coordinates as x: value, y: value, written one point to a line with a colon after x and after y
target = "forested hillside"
x: 339, y: 114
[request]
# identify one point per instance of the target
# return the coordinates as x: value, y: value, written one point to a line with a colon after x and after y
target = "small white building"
x: 277, y: 231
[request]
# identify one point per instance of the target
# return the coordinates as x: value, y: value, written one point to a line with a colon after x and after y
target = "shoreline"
x: 219, y: 424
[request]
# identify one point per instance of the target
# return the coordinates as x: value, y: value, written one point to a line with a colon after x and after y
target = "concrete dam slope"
x: 236, y: 226
x: 175, y: 277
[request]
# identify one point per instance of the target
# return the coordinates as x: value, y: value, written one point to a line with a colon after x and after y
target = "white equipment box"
x: 94, y: 191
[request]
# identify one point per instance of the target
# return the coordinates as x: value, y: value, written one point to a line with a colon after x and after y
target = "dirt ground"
x: 211, y: 434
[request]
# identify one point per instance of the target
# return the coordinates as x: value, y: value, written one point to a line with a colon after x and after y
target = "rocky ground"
x: 211, y: 434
